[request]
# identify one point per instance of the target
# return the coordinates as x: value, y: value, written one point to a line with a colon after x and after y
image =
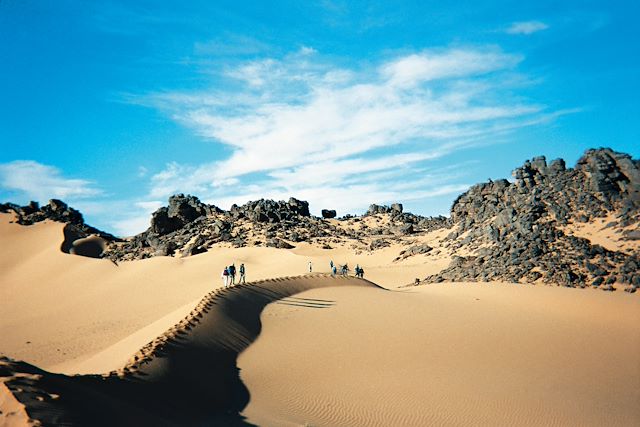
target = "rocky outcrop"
x: 188, y: 227
x: 55, y: 210
x: 328, y: 214
x: 271, y: 211
x: 181, y: 211
x: 395, y: 208
x: 516, y: 231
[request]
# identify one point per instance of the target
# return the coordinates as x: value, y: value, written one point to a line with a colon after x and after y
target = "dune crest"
x: 187, y: 375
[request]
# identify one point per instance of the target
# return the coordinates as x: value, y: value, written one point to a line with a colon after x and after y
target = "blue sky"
x: 113, y: 106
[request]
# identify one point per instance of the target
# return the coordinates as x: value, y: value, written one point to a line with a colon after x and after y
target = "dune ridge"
x: 188, y: 375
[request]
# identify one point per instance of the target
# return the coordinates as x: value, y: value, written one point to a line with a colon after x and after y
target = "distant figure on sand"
x: 334, y: 270
x: 345, y: 270
x: 242, y: 271
x: 225, y: 276
x: 331, y: 265
x: 232, y: 273
x: 310, y: 267
x: 359, y: 271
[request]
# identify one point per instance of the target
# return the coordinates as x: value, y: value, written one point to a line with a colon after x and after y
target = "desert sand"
x: 310, y: 349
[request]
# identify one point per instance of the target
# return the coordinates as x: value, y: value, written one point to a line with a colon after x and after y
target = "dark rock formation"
x: 188, y: 227
x: 55, y: 210
x: 181, y: 211
x: 326, y: 213
x: 516, y: 228
x: 79, y: 242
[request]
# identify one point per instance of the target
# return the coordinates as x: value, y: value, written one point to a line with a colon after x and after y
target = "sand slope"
x: 311, y: 349
x: 448, y: 354
x: 187, y: 376
x: 59, y: 311
x: 341, y: 351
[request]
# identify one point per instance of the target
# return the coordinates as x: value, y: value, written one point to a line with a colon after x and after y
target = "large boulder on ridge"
x: 328, y: 213
x: 181, y: 210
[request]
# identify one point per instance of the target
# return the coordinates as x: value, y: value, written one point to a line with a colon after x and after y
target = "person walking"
x: 225, y: 276
x: 310, y: 267
x: 334, y: 270
x: 232, y: 274
x: 242, y: 272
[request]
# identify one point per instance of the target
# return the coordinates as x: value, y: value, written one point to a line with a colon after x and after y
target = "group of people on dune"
x: 344, y: 269
x: 229, y: 275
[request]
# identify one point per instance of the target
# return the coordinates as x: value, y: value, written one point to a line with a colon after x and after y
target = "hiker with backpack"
x: 242, y: 272
x: 225, y: 276
x: 345, y: 270
x: 232, y: 273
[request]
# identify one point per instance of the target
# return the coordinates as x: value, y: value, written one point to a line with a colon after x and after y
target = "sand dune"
x: 447, y: 354
x: 309, y: 349
x: 341, y: 351
x: 59, y: 310
x: 187, y: 376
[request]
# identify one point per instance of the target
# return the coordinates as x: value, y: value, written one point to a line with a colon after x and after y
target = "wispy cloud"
x: 306, y: 111
x: 526, y: 27
x: 344, y: 136
x: 27, y: 179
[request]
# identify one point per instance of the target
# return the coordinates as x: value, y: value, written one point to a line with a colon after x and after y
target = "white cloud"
x: 307, y: 50
x: 527, y: 27
x: 33, y: 180
x: 418, y: 68
x: 318, y: 119
x: 344, y: 137
x: 131, y: 226
x: 150, y: 205
x: 293, y: 111
x: 135, y: 218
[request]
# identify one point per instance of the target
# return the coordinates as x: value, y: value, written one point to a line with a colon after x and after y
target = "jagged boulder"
x: 270, y: 211
x: 162, y: 223
x: 300, y: 207
x: 326, y: 213
x: 609, y: 173
x: 377, y: 209
x: 195, y: 247
x: 186, y: 208
x: 396, y: 207
x: 181, y: 211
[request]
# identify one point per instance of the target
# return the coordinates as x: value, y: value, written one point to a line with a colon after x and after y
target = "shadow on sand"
x: 188, y: 376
